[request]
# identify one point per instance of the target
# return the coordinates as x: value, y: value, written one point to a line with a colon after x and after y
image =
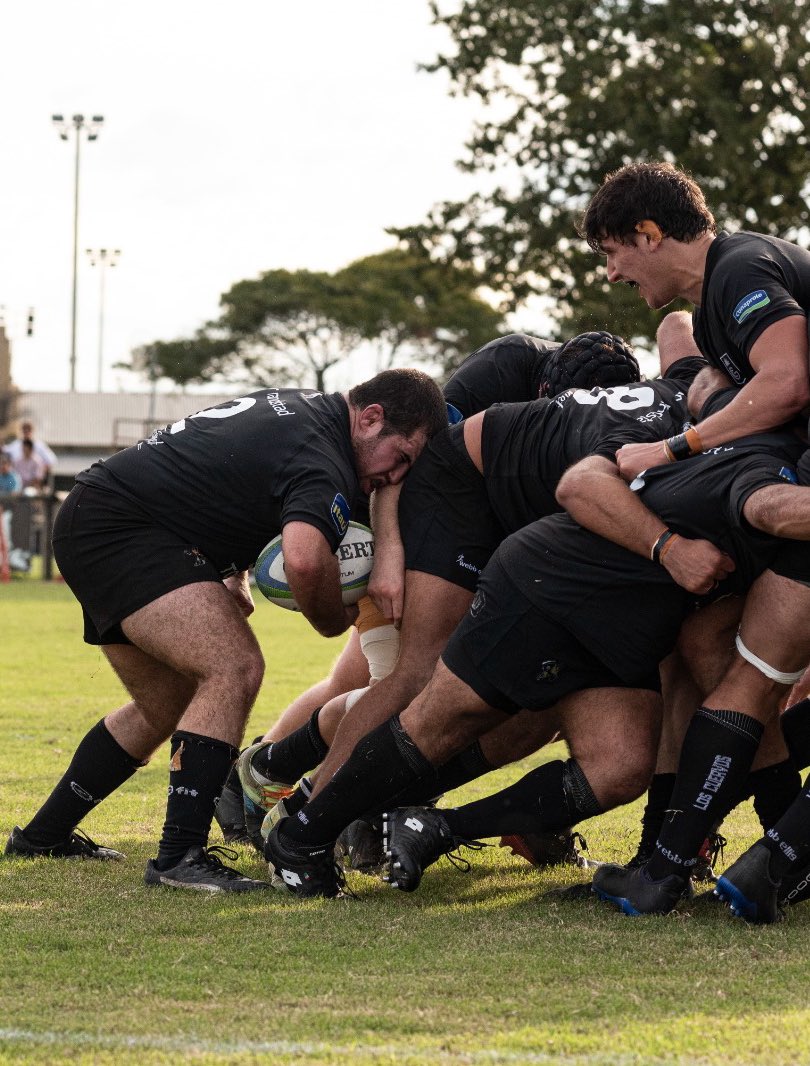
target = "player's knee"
x: 245, y: 672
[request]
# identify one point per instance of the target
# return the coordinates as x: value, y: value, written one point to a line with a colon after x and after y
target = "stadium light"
x: 102, y: 258
x: 91, y: 128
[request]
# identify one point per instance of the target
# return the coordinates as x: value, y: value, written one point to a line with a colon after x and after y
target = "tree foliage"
x: 291, y: 327
x: 574, y: 89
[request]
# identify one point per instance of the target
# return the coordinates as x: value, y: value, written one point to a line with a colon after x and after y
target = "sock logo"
x: 714, y: 780
x: 414, y: 824
x: 291, y: 878
x: 82, y: 793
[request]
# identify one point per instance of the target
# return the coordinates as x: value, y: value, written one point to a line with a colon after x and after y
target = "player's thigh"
x: 613, y: 734
x: 199, y: 631
x: 775, y: 624
x: 706, y: 641
x: 433, y: 608
x: 447, y: 716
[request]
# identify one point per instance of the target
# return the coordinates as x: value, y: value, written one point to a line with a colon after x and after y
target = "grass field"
x: 473, y: 968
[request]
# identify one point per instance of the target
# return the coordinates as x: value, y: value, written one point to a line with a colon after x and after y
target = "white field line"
x: 70, y: 1040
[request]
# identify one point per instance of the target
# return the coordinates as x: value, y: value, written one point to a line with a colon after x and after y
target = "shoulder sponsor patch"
x: 754, y: 301
x: 341, y: 513
x: 788, y: 474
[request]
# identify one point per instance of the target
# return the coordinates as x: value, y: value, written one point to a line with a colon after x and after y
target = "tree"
x: 575, y: 89
x: 292, y: 327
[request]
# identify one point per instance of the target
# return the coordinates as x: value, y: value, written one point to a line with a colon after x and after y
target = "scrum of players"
x: 582, y: 555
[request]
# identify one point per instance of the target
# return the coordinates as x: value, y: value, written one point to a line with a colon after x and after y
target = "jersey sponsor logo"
x: 278, y: 405
x: 754, y: 301
x: 736, y: 376
x: 478, y: 604
x: 617, y: 397
x: 341, y: 513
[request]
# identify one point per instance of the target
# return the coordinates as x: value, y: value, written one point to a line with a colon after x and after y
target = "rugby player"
x: 558, y: 610
x: 509, y: 368
x: 156, y: 541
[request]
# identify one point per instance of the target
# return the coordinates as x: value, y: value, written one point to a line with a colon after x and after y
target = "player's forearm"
x: 781, y: 510
x: 594, y: 495
x: 759, y: 406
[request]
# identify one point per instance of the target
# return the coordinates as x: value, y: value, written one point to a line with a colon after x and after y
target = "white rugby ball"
x: 355, y: 555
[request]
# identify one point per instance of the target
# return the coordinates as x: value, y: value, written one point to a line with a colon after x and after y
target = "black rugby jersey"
x: 506, y: 370
x: 526, y: 448
x: 228, y: 478
x: 751, y: 282
x: 625, y: 609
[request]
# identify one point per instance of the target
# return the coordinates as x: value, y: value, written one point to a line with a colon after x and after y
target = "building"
x: 82, y: 427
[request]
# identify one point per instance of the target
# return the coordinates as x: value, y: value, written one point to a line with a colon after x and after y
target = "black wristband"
x: 679, y: 447
x: 655, y: 551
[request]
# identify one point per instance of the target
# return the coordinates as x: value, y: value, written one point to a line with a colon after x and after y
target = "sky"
x: 238, y: 137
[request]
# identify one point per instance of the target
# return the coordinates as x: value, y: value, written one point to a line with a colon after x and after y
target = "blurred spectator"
x: 41, y: 449
x: 10, y: 480
x: 30, y: 467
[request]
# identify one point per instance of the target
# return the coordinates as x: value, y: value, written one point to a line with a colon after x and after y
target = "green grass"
x: 475, y: 968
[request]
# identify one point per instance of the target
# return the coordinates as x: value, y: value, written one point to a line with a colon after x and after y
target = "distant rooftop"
x: 106, y: 419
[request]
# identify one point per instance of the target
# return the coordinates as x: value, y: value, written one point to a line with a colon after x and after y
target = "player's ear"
x: 651, y: 230
x: 371, y: 419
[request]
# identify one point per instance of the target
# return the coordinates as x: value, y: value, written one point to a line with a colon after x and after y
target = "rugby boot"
x: 748, y: 888
x: 202, y: 870
x: 305, y: 870
x: 635, y: 893
x: 229, y: 812
x: 549, y: 849
x: 287, y: 807
x: 795, y: 887
x: 360, y: 846
x: 261, y: 791
x: 77, y: 846
x: 415, y: 837
x: 711, y: 850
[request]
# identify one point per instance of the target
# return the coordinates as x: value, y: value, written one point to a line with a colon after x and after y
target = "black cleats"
x: 360, y: 847
x: 548, y: 849
x: 748, y: 889
x: 202, y: 870
x: 414, y: 838
x: 305, y: 871
x: 229, y: 812
x: 77, y: 846
x: 795, y: 887
x: 632, y: 890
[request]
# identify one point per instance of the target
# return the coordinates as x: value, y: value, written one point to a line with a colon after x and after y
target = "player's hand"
x: 386, y: 586
x: 239, y: 587
x: 631, y: 459
x: 697, y: 565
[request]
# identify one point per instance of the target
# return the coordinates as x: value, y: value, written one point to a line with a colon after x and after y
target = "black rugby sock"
x: 717, y: 753
x: 287, y: 759
x: 554, y: 796
x: 198, y: 769
x: 382, y: 764
x: 658, y: 796
x: 466, y: 766
x: 789, y: 840
x: 795, y: 724
x: 773, y: 789
x: 98, y: 767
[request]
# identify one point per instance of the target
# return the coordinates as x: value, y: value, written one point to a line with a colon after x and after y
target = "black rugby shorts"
x: 514, y: 657
x: 447, y: 525
x: 115, y: 560
x: 792, y: 561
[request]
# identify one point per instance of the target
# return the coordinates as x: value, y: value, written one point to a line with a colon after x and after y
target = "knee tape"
x: 770, y: 672
x: 381, y: 648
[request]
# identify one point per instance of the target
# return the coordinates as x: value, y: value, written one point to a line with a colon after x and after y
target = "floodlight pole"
x: 102, y: 258
x: 63, y: 126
